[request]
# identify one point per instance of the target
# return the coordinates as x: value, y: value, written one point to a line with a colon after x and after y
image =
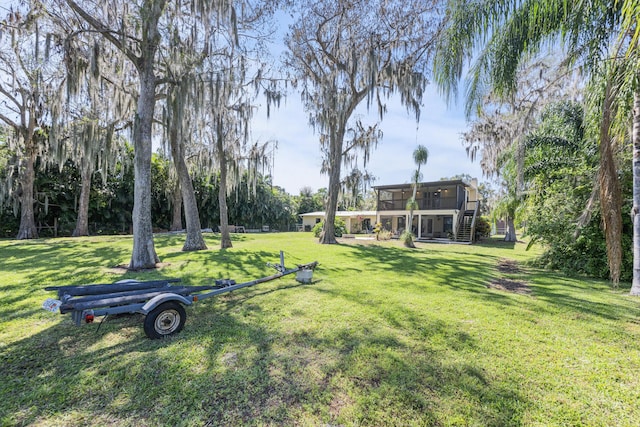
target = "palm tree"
x: 631, y: 29
x: 635, y: 285
x: 501, y: 35
x: 420, y: 157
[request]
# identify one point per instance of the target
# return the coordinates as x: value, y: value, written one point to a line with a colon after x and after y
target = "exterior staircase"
x: 466, y: 226
x: 465, y: 230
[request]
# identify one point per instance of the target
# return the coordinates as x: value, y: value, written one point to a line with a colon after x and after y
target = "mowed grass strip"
x: 383, y: 336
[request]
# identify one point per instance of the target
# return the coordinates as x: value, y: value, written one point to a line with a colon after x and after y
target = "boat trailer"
x: 162, y: 302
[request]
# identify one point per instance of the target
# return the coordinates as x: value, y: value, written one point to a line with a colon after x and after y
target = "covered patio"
x: 356, y: 222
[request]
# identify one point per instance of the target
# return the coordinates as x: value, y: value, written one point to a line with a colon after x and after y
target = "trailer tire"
x: 166, y: 319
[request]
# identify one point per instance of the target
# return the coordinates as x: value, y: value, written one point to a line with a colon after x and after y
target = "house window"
x: 447, y: 224
x: 436, y: 200
x: 385, y: 200
x: 387, y: 223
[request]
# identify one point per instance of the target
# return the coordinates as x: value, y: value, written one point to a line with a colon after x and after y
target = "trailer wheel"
x: 166, y: 319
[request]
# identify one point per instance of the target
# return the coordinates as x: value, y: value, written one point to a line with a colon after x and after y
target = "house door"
x: 447, y: 225
x: 402, y: 223
x: 427, y: 227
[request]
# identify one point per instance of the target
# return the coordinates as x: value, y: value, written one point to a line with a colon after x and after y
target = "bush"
x: 384, y: 235
x: 338, y: 224
x: 483, y: 228
x: 10, y: 222
x: 587, y: 254
x: 407, y: 238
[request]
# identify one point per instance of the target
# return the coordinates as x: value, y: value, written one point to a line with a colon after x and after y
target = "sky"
x: 297, y: 160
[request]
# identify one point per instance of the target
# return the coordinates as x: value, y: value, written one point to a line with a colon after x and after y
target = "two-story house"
x: 445, y: 209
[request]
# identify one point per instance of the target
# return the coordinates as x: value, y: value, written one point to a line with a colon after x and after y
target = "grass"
x: 385, y: 335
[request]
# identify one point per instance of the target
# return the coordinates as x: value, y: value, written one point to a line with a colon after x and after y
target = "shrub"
x: 587, y: 254
x: 384, y: 235
x: 377, y: 229
x: 339, y: 225
x: 483, y: 228
x: 407, y: 238
x: 317, y: 229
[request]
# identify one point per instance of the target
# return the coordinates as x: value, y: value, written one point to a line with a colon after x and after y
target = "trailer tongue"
x: 160, y: 301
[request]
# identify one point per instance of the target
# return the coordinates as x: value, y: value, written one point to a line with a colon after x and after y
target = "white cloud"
x: 298, y: 159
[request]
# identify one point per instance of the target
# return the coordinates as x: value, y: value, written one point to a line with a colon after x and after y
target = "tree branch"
x: 323, y: 45
x: 10, y: 97
x: 104, y: 30
x: 8, y: 121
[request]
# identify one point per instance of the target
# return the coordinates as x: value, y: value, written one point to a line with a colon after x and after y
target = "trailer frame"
x: 162, y: 303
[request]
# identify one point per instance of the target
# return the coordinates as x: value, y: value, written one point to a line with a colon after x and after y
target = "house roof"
x: 423, y: 184
x: 351, y: 214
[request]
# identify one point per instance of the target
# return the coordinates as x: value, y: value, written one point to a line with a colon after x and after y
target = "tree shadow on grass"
x: 238, y: 264
x: 497, y: 242
x: 397, y: 366
x: 466, y: 272
x: 352, y: 374
x: 44, y: 263
x: 249, y: 373
x: 583, y: 297
x: 40, y: 265
x: 55, y: 372
x: 471, y: 273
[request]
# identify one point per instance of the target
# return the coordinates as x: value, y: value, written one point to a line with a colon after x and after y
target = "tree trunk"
x: 610, y: 193
x: 143, y: 57
x: 328, y: 236
x: 28, y: 228
x: 408, y: 238
x: 194, y: 240
x: 635, y: 285
x: 511, y: 230
x: 225, y: 237
x: 408, y: 241
x: 176, y: 207
x: 413, y: 201
x: 144, y: 253
x: 82, y: 221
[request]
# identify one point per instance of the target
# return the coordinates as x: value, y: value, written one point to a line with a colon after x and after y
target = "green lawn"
x: 383, y: 336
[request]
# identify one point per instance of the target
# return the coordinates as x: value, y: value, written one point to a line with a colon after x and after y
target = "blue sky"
x: 298, y: 158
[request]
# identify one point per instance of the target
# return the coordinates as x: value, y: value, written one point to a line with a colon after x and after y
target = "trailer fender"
x: 162, y: 298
